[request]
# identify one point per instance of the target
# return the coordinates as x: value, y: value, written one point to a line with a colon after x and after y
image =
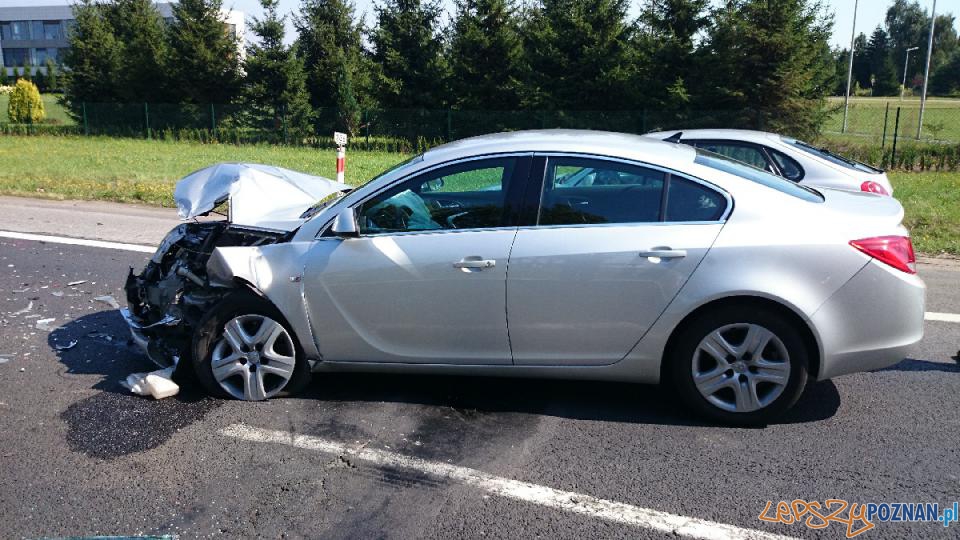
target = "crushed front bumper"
x: 140, y: 333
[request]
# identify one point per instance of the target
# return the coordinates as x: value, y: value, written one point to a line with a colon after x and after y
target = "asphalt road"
x: 80, y: 456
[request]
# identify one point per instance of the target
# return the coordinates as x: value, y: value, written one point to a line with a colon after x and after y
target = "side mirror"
x: 345, y: 224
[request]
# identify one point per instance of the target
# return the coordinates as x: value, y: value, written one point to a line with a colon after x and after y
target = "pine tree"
x: 669, y: 29
x: 407, y: 50
x: 883, y: 73
x: 141, y: 31
x: 4, y: 79
x: 770, y: 62
x: 53, y: 76
x: 486, y: 55
x: 275, y: 85
x: 205, y: 64
x: 580, y: 55
x: 40, y: 79
x: 337, y: 70
x: 93, y: 58
x: 27, y: 72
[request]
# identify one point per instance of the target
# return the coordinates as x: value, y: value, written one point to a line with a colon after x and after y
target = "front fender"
x: 276, y: 272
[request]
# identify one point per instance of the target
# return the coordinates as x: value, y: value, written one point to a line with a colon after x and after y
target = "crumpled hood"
x: 259, y: 196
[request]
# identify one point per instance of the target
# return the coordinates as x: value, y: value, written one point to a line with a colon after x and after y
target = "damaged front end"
x: 265, y: 205
x: 168, y: 299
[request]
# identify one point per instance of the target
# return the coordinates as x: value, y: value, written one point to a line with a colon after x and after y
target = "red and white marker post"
x: 341, y: 140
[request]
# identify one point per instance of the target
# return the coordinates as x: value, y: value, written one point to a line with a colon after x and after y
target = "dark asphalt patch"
x: 110, y: 424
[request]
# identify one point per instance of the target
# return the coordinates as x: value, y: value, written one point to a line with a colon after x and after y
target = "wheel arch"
x: 809, y: 335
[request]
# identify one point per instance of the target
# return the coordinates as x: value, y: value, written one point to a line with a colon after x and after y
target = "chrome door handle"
x: 665, y: 253
x: 479, y: 264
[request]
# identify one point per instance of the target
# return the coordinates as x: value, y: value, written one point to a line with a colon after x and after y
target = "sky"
x: 869, y: 14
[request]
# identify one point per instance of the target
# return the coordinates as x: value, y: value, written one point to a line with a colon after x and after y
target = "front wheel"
x: 244, y: 349
x: 740, y: 365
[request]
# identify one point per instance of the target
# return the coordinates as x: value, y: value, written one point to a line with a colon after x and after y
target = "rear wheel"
x: 740, y: 364
x: 244, y: 349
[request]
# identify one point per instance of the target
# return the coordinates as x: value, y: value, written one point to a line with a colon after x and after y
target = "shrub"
x: 25, y: 105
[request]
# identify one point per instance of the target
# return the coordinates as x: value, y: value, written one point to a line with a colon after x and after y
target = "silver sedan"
x: 574, y: 254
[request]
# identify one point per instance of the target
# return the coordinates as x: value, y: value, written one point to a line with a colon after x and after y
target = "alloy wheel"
x: 741, y: 367
x: 254, y: 358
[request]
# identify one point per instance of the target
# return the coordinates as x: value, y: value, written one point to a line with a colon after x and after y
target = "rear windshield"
x: 738, y: 168
x: 836, y: 159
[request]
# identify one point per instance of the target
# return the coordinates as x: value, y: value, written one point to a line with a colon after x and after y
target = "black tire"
x: 681, y: 362
x: 211, y: 329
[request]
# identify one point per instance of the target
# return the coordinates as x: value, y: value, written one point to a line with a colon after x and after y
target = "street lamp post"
x: 906, y: 62
x: 926, y: 72
x: 853, y: 36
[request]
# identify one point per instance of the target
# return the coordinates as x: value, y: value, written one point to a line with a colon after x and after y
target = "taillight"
x: 897, y: 251
x: 873, y: 187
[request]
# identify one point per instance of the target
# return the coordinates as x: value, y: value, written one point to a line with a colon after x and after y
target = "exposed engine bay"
x: 171, y: 295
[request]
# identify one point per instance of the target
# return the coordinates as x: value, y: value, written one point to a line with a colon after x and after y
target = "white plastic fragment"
x: 44, y: 324
x: 24, y: 310
x: 57, y: 293
x: 158, y: 384
x: 68, y: 346
x: 4, y: 358
x: 78, y: 282
x: 109, y: 300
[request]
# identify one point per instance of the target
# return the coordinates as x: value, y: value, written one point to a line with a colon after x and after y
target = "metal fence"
x: 878, y: 120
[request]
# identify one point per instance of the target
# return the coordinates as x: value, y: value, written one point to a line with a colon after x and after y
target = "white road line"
x: 77, y: 241
x: 942, y: 317
x: 513, y: 489
x: 929, y: 316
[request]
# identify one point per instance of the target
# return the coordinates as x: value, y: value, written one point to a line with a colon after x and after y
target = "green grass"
x: 941, y: 118
x: 931, y: 202
x: 55, y: 112
x: 136, y: 170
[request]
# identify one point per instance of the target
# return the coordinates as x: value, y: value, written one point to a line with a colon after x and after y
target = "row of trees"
x: 878, y: 59
x: 761, y: 62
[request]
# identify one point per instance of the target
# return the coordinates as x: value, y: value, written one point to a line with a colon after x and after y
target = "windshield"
x: 334, y: 197
x: 738, y: 168
x: 836, y: 159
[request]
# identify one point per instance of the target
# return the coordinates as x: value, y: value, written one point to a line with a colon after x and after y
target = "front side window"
x: 581, y: 191
x: 467, y: 195
x: 745, y: 153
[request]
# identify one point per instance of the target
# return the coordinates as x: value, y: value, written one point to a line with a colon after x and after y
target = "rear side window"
x: 581, y: 191
x: 731, y: 166
x: 836, y: 159
x: 746, y: 153
x: 690, y: 201
x: 789, y: 168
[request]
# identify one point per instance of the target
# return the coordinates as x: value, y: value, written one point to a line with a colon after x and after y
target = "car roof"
x: 604, y: 143
x: 747, y: 135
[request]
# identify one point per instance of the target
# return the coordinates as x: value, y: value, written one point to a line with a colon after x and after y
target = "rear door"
x: 608, y: 245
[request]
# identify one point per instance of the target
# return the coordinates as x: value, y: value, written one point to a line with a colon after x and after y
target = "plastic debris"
x: 57, y: 293
x: 78, y: 282
x: 4, y: 358
x: 44, y: 324
x: 67, y: 347
x: 109, y: 300
x: 158, y: 384
x: 24, y: 310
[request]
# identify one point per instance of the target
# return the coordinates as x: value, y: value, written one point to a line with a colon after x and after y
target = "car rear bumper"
x: 871, y: 322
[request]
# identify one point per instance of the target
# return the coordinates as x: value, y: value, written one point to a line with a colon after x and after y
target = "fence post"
x: 283, y: 121
x: 886, y: 114
x: 896, y: 131
x: 146, y: 118
x: 86, y: 127
x: 449, y: 125
x: 213, y: 120
x: 366, y: 123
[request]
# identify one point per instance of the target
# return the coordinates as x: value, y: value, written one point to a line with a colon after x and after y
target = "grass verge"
x: 136, y: 170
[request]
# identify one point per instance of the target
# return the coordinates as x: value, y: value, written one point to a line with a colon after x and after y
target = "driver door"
x: 425, y: 282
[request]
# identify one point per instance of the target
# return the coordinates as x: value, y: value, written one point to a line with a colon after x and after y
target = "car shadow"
x: 914, y: 365
x: 579, y: 400
x: 114, y: 422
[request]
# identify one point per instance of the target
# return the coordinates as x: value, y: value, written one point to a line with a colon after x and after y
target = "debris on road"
x: 4, y: 358
x: 67, y: 347
x: 158, y: 384
x: 57, y: 293
x: 78, y: 282
x: 109, y: 300
x: 24, y: 310
x: 44, y: 324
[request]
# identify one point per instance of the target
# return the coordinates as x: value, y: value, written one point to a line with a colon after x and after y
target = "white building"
x: 34, y: 32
